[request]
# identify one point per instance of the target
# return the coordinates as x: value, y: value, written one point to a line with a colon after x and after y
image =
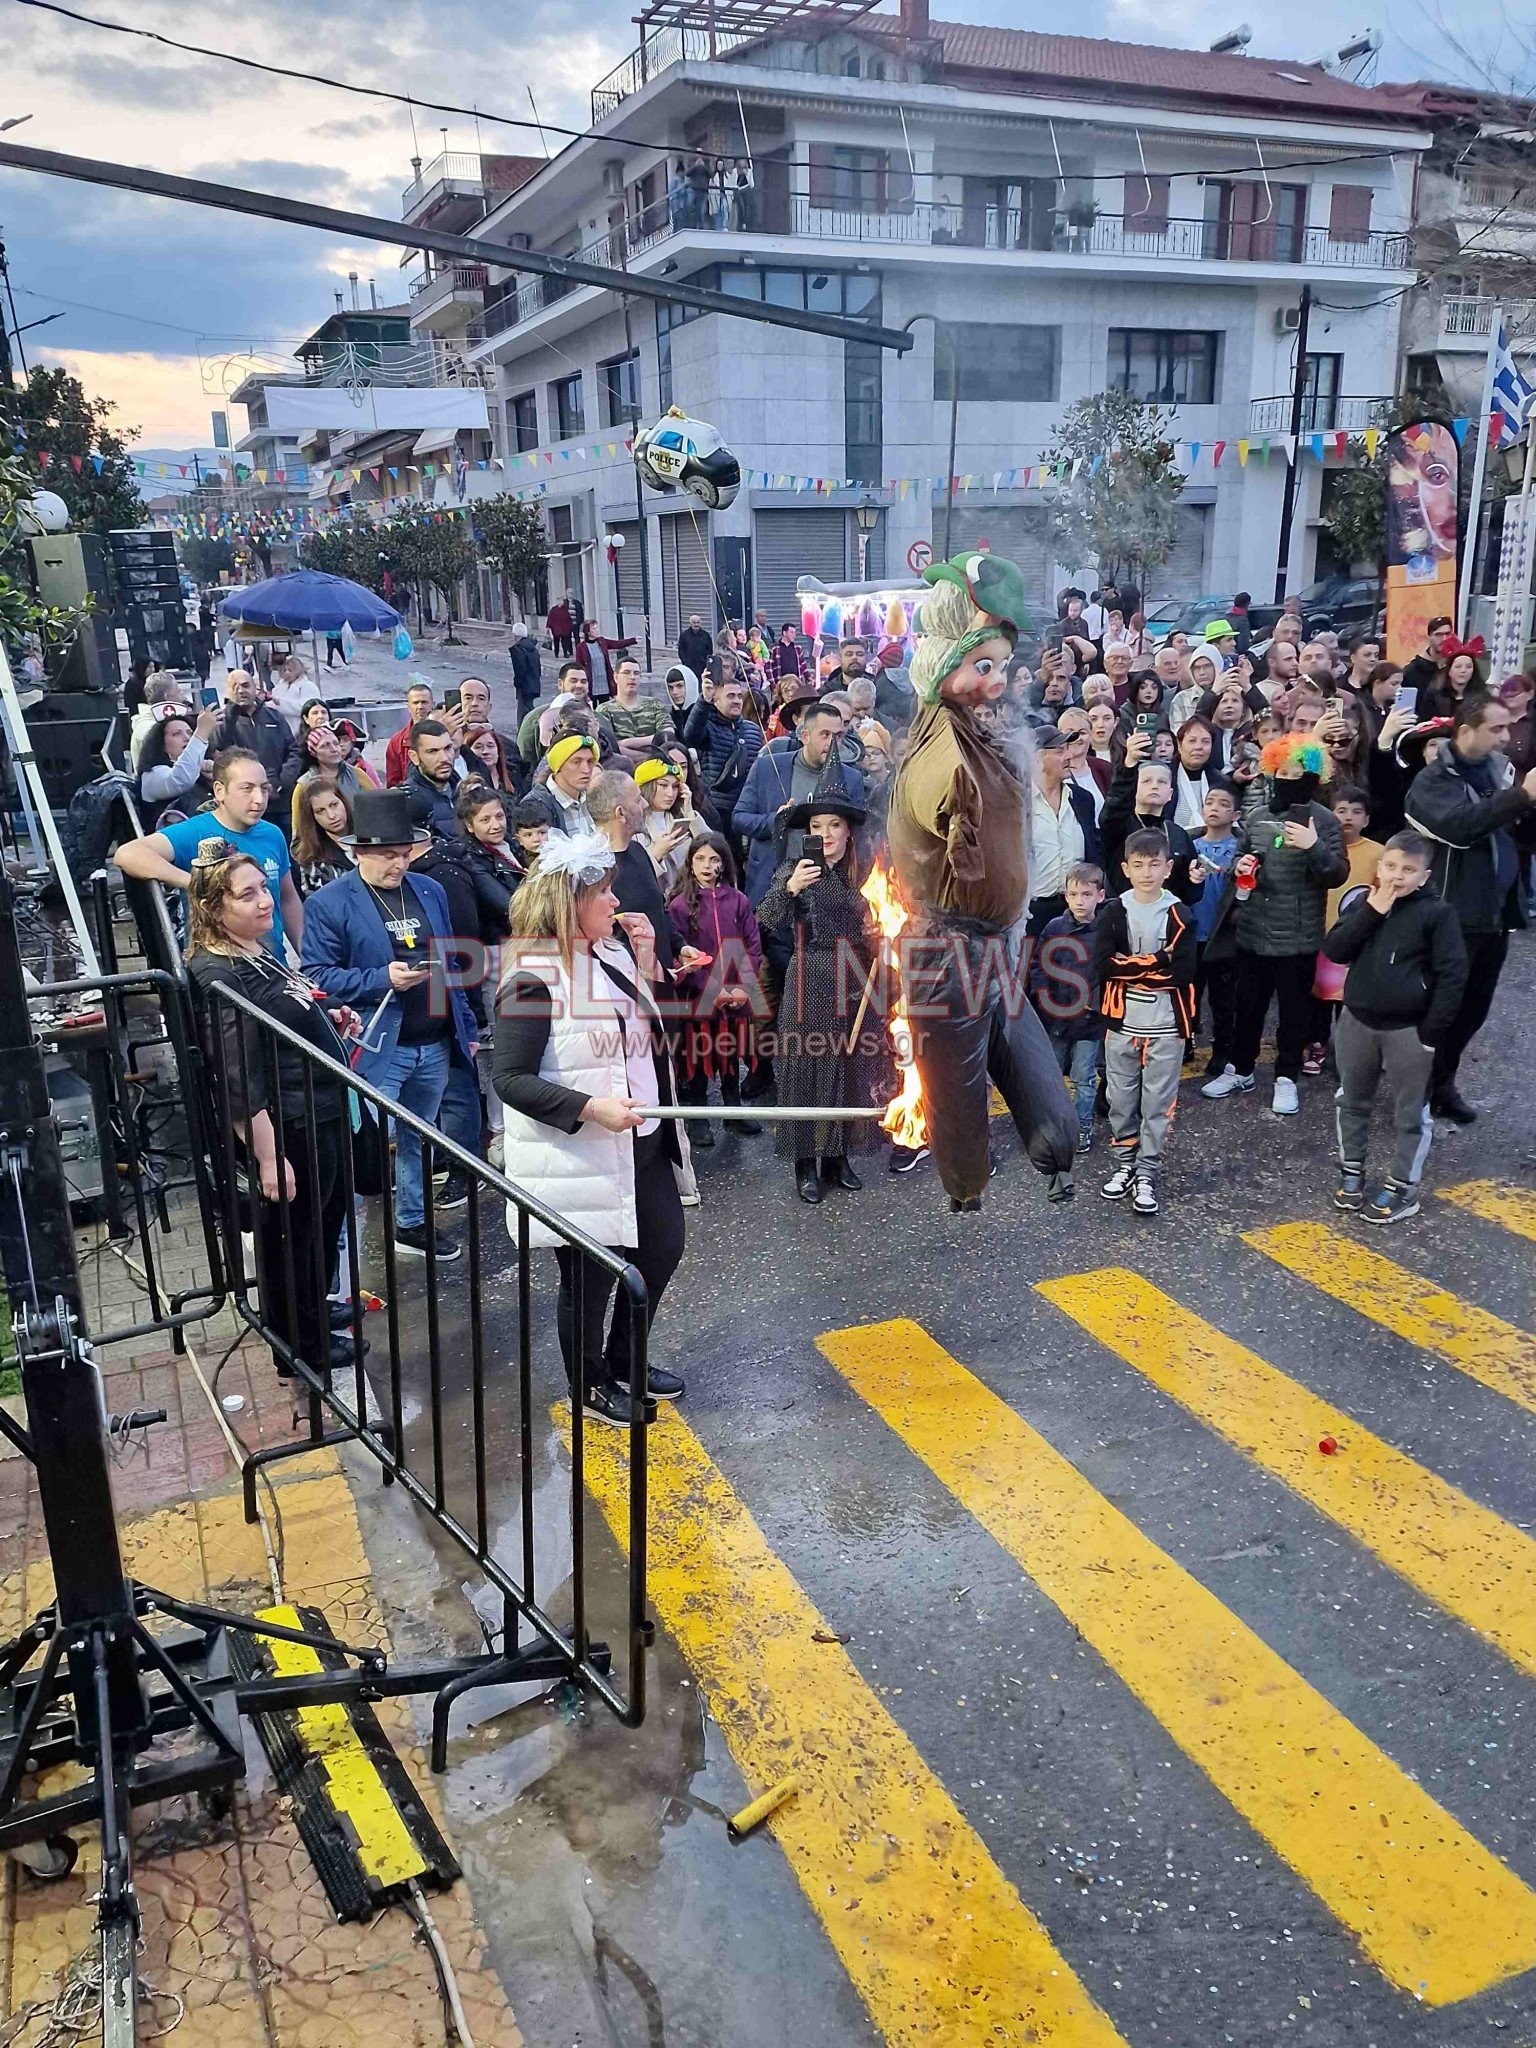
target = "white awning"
x: 434, y: 439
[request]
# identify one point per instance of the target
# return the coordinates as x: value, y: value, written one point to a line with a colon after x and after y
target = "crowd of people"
x: 1214, y: 827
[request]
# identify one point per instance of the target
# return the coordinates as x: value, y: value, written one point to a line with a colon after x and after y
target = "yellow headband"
x: 562, y: 750
x: 653, y: 771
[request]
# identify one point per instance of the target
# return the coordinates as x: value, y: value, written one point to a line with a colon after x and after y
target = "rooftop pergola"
x: 738, y: 19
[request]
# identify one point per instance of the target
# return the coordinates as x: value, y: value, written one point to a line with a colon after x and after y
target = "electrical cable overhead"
x: 665, y: 144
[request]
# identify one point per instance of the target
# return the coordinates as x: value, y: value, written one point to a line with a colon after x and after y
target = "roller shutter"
x: 686, y: 584
x: 631, y: 579
x: 1019, y: 533
x: 789, y: 544
x: 1183, y: 574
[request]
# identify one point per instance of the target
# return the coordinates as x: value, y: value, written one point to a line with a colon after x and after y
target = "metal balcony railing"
x: 1320, y: 414
x: 453, y: 277
x: 1496, y: 190
x: 743, y: 219
x: 674, y: 45
x: 448, y: 167
x: 1470, y: 319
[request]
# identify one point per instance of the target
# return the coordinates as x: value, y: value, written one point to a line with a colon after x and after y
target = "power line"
x: 668, y: 144
x: 175, y: 326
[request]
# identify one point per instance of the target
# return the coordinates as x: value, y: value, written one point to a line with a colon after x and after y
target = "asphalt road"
x: 1137, y: 1717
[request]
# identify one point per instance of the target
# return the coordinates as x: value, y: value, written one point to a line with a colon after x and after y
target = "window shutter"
x: 1146, y: 205
x: 821, y: 186
x: 1349, y: 214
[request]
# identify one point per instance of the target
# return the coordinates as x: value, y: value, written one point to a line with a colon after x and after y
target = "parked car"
x: 1346, y: 603
x: 1185, y: 615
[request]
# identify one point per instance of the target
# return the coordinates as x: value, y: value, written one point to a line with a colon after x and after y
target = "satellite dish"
x: 45, y: 513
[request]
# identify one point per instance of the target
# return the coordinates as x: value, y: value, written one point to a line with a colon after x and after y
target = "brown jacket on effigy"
x: 957, y: 823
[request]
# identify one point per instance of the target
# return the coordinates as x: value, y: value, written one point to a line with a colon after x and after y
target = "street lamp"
x: 613, y: 542
x: 867, y: 517
x: 14, y: 122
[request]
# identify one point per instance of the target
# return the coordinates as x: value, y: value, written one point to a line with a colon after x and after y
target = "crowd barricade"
x: 422, y: 1412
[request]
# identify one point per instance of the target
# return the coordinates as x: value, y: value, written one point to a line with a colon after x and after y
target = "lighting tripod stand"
x: 96, y: 1678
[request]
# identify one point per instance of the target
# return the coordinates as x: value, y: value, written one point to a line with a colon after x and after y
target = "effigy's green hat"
x: 975, y: 598
x: 994, y: 586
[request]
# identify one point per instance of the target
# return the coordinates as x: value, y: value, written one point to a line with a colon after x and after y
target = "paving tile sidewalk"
x: 236, y: 1924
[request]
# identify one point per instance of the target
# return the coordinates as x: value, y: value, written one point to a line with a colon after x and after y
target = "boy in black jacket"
x: 1065, y: 990
x: 1407, y: 971
x: 1144, y: 952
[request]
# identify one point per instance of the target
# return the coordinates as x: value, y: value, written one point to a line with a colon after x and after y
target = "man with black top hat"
x: 380, y: 939
x: 787, y: 772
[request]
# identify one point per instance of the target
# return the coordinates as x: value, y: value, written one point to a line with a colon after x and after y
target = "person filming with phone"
x: 814, y: 909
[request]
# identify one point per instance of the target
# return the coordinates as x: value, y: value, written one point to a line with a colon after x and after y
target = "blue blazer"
x: 347, y: 952
x: 767, y: 787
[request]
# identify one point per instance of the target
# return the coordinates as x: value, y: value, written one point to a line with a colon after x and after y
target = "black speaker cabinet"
x: 68, y: 728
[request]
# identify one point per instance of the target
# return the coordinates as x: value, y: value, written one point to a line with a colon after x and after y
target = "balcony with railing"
x: 435, y: 287
x: 743, y: 220
x: 451, y: 173
x: 1321, y: 413
x: 392, y: 365
x: 1466, y: 319
x: 1501, y: 192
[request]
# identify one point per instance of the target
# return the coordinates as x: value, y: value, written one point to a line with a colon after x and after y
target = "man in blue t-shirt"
x: 240, y: 791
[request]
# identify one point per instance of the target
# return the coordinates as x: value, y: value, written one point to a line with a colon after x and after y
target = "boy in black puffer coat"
x: 1407, y: 971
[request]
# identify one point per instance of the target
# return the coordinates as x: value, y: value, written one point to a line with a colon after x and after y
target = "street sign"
x: 919, y: 555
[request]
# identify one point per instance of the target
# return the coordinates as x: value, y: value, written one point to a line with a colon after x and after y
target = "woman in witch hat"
x: 814, y: 908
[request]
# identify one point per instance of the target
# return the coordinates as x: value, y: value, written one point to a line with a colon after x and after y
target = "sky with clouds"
x: 154, y: 295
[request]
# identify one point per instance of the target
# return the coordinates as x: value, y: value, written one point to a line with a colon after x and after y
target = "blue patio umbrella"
x: 309, y: 601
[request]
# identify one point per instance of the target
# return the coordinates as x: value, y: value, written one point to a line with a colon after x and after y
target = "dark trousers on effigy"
x: 973, y: 1027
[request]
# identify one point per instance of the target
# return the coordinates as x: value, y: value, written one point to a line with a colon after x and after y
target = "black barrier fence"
x: 431, y: 1438
x: 447, y: 1412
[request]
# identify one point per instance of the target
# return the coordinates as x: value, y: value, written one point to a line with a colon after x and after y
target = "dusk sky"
x: 153, y: 294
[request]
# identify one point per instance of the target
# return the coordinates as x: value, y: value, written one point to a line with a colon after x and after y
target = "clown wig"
x: 1299, y: 751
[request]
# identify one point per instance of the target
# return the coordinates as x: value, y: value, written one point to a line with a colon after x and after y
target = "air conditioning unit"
x: 1287, y: 319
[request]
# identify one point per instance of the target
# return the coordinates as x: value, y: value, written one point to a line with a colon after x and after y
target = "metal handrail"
x: 485, y: 1182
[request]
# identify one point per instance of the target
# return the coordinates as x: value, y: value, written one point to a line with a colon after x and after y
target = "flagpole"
x: 1479, y: 471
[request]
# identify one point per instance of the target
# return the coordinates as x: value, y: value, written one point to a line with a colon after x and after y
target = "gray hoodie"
x: 1148, y: 1012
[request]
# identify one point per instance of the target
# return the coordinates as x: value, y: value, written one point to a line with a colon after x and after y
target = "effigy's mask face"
x: 983, y: 675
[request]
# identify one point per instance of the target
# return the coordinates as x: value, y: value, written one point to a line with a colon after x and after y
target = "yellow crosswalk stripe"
x: 1481, y: 1345
x: 1433, y: 1909
x: 1495, y: 1201
x: 1467, y: 1559
x: 936, y: 1940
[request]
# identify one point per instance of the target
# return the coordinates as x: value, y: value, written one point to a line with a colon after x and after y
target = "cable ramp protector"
x: 367, y: 1831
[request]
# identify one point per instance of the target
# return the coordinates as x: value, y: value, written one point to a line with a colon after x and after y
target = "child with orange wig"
x: 1297, y: 855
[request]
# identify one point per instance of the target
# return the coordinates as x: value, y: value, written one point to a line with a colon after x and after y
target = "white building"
x: 1085, y: 213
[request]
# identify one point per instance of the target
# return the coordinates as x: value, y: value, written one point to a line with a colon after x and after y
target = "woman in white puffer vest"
x: 580, y: 1063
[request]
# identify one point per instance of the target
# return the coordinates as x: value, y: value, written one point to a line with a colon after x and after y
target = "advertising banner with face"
x: 1422, y: 474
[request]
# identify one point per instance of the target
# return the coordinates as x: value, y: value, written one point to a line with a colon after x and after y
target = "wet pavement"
x: 1227, y: 1728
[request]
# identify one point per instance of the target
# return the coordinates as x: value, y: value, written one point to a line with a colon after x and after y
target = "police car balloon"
x: 679, y: 453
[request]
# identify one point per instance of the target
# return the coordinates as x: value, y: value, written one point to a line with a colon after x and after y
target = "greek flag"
x: 1512, y: 399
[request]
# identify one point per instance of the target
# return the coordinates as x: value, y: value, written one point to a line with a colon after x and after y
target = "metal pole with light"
x: 613, y: 542
x: 943, y: 331
x: 1293, y: 467
x: 867, y: 516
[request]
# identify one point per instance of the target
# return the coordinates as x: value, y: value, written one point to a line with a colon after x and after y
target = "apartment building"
x: 1077, y: 214
x: 1475, y: 239
x: 373, y: 414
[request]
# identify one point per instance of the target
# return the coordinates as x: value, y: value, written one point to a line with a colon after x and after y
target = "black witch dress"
x: 833, y: 944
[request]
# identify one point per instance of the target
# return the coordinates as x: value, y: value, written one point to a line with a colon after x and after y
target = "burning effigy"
x: 958, y: 826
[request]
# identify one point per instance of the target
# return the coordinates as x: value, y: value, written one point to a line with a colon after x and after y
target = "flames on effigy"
x: 905, y: 1119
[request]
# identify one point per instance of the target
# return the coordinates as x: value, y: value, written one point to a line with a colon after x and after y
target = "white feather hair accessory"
x: 585, y: 856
